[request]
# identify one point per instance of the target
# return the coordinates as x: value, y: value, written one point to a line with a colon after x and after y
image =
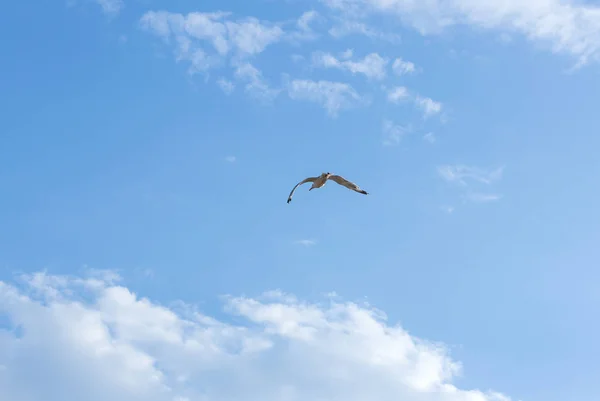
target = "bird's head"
x: 326, y: 174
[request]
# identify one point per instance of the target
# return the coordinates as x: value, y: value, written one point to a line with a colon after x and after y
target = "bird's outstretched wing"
x: 350, y: 185
x: 309, y: 179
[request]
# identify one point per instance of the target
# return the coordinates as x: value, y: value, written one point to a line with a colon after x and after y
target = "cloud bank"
x: 91, y: 338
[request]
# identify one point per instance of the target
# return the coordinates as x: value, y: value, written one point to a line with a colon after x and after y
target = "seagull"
x: 318, y: 182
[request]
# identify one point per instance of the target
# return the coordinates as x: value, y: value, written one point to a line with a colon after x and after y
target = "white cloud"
x: 398, y: 94
x: 306, y: 242
x: 305, y: 19
x: 210, y: 40
x: 322, y: 59
x: 333, y: 96
x: 226, y: 85
x: 71, y: 339
x: 401, y: 67
x: 255, y: 83
x: 428, y: 106
x: 230, y: 159
x: 393, y: 133
x: 372, y: 65
x: 251, y: 36
x: 205, y: 39
x: 303, y: 24
x: 569, y: 27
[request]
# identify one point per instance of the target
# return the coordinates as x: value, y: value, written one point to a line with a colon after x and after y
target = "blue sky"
x: 148, y: 148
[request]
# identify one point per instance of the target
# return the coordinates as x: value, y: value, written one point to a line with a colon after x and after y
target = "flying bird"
x: 318, y: 182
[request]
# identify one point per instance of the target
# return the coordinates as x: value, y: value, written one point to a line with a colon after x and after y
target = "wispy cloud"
x: 347, y: 54
x: 306, y: 242
x: 481, y: 197
x: 83, y: 338
x: 345, y: 27
x: 230, y: 159
x: 255, y: 82
x: 111, y: 6
x: 226, y: 85
x: 212, y: 40
x: 225, y: 37
x: 372, y: 66
x: 429, y: 106
x: 402, y: 67
x: 305, y: 20
x: 333, y: 96
x: 467, y: 177
x: 429, y: 137
x: 393, y: 133
x: 304, y: 23
x: 460, y: 173
x: 398, y: 94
